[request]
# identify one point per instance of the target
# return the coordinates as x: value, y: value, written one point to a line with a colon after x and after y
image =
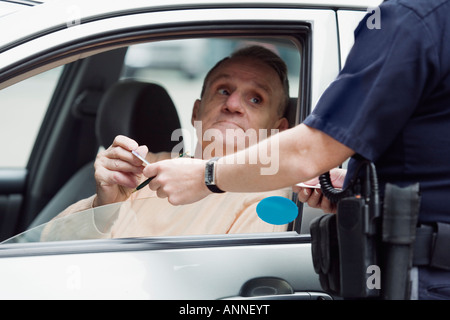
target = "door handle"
x: 272, y: 288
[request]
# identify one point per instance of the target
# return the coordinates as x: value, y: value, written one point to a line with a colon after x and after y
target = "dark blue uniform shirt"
x: 391, y: 105
x: 391, y: 101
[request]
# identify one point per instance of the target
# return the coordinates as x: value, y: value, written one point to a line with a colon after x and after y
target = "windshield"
x: 152, y: 216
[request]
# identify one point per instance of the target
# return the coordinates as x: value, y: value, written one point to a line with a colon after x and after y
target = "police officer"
x: 390, y: 104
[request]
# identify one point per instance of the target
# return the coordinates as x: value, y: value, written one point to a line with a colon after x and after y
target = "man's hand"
x: 314, y: 197
x: 180, y: 180
x: 118, y: 171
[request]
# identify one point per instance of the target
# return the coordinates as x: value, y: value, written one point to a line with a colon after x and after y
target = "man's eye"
x: 255, y: 100
x: 224, y: 92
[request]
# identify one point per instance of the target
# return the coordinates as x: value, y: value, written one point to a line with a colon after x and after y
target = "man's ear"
x: 282, y: 124
x: 195, y: 111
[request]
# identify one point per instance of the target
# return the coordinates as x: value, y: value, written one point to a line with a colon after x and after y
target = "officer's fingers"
x: 151, y: 170
x: 161, y: 193
x: 315, y: 199
x: 303, y: 193
x: 337, y: 177
x: 327, y: 206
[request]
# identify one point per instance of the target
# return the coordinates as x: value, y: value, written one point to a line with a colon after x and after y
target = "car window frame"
x: 124, y: 38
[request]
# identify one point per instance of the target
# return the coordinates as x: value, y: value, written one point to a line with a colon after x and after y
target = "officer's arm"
x: 292, y: 156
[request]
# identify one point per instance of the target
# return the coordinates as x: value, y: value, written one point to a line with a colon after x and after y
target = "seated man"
x: 246, y: 92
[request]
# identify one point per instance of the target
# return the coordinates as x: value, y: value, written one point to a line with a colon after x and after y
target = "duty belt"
x: 431, y: 247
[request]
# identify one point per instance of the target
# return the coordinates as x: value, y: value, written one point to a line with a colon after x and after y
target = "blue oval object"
x: 277, y: 210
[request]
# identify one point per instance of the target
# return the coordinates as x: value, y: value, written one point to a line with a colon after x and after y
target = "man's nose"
x: 234, y: 103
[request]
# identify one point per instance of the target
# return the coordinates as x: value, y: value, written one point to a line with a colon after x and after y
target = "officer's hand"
x: 181, y: 180
x: 314, y: 197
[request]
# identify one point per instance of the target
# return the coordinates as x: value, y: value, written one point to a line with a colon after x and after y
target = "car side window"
x: 23, y: 106
x: 181, y: 65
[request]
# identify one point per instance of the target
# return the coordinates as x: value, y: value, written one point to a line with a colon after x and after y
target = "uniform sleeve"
x: 386, y: 73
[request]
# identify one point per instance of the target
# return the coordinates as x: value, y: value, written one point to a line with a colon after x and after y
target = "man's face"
x: 241, y: 94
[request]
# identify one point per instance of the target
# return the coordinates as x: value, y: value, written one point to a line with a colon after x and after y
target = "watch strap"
x: 214, y: 188
x: 210, y: 176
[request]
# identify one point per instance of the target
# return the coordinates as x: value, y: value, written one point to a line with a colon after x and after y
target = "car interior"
x: 139, y: 110
x: 119, y: 92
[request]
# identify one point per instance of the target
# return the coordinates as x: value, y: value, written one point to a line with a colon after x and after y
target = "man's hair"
x: 267, y: 57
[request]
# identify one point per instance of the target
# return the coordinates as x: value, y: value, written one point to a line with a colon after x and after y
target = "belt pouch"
x: 325, y: 253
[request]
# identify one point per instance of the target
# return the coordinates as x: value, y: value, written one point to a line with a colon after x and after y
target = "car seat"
x: 139, y: 110
x: 291, y: 112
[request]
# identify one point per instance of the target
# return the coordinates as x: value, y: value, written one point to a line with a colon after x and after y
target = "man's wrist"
x: 210, y: 175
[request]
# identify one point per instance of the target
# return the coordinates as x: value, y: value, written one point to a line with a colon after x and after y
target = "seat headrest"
x: 291, y: 112
x: 139, y: 110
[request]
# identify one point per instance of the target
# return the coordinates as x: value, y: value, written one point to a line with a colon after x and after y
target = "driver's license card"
x: 303, y: 185
x: 140, y: 158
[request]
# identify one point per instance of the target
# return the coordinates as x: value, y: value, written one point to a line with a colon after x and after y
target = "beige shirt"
x: 144, y: 214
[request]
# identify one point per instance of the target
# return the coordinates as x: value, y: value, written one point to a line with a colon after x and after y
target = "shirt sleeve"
x: 386, y: 74
x: 81, y: 205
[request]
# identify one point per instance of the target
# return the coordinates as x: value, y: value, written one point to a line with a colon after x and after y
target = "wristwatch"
x: 210, y: 175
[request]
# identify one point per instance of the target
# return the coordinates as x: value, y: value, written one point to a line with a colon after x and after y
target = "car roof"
x: 10, y: 6
x: 56, y: 14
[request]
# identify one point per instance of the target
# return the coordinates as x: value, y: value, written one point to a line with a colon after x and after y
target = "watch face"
x: 209, y: 177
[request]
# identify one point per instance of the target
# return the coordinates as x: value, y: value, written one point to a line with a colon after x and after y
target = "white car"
x: 57, y: 61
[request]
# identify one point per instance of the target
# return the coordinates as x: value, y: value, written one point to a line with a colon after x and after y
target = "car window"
x: 94, y: 223
x: 145, y: 218
x: 181, y: 65
x: 23, y: 106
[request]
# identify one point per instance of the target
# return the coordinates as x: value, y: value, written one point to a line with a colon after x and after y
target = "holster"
x: 349, y: 247
x: 400, y: 215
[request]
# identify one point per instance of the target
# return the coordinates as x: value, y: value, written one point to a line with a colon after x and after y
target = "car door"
x: 348, y: 20
x: 195, y: 267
